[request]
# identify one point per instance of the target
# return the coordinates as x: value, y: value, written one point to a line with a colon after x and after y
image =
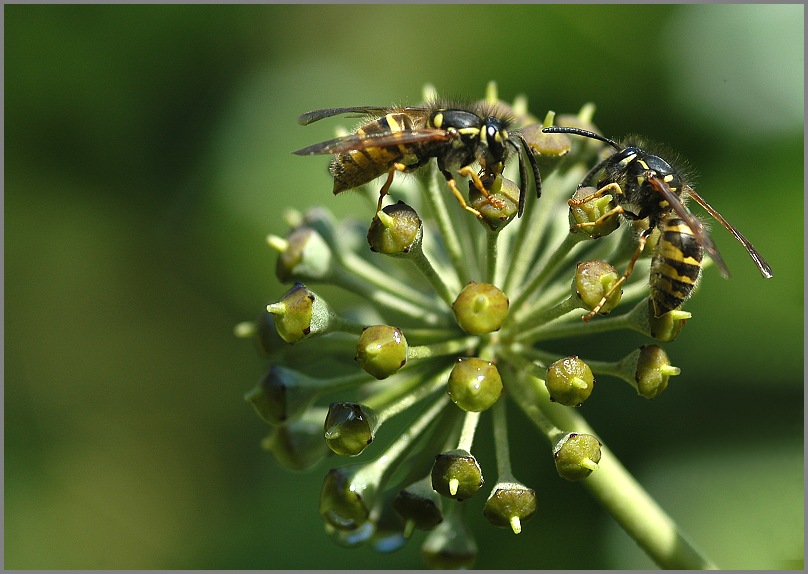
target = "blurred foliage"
x: 147, y: 157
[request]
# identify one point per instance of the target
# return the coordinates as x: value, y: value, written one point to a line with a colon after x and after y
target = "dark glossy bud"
x: 480, y: 308
x: 346, y: 498
x: 395, y: 230
x: 456, y: 474
x: 591, y: 213
x: 282, y: 394
x: 420, y: 505
x: 474, y: 384
x: 509, y: 505
x: 576, y: 455
x: 651, y: 369
x: 381, y: 350
x: 298, y: 445
x: 501, y: 205
x: 349, y: 428
x: 570, y: 381
x: 593, y: 280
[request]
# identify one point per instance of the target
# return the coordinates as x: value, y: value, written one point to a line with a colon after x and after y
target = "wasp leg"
x: 450, y: 181
x: 617, y: 284
x: 386, y: 187
x: 478, y: 183
x: 599, y: 193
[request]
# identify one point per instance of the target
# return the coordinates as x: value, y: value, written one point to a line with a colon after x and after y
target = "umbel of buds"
x: 405, y: 332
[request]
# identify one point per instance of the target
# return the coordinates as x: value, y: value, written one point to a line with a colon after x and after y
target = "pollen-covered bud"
x: 576, y: 455
x: 347, y: 497
x: 349, y: 428
x: 593, y: 280
x: 456, y: 474
x: 303, y: 256
x: 300, y: 314
x: 592, y: 213
x: 420, y: 505
x: 570, y: 381
x: 395, y: 230
x: 298, y: 445
x: 509, y: 505
x: 651, y: 370
x: 450, y: 545
x: 474, y: 384
x: 381, y: 350
x: 501, y: 205
x: 282, y: 394
x: 548, y: 149
x: 480, y: 308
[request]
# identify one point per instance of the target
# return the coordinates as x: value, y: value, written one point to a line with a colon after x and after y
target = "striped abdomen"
x: 676, y: 266
x: 359, y: 166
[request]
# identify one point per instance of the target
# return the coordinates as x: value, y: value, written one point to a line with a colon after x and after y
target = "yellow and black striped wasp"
x: 646, y: 187
x: 406, y: 138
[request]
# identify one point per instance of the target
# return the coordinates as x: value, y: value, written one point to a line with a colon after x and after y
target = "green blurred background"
x: 147, y: 157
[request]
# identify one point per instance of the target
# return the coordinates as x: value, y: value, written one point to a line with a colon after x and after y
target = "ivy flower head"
x: 451, y: 318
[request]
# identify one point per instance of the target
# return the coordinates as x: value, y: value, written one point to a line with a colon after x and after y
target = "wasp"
x: 646, y: 187
x: 403, y: 139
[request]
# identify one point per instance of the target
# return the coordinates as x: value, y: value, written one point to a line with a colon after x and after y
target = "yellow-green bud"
x: 592, y: 281
x: 500, y: 207
x: 549, y: 149
x: 474, y: 384
x: 576, y: 455
x: 294, y: 313
x: 666, y: 327
x: 651, y: 369
x: 509, y: 505
x: 395, y: 230
x: 381, y: 350
x: 456, y: 474
x: 480, y: 308
x: 587, y: 207
x: 570, y: 381
x: 304, y: 256
x: 349, y: 428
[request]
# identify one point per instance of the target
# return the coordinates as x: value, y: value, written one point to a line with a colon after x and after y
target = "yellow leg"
x: 386, y: 187
x: 599, y: 193
x: 618, y: 284
x: 478, y: 183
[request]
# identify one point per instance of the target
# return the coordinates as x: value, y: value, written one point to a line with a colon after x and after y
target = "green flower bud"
x: 395, y: 230
x: 420, y: 505
x: 298, y: 445
x: 480, y: 308
x: 500, y: 207
x: 509, y: 505
x: 590, y: 213
x: 474, y: 384
x: 549, y: 149
x: 349, y: 428
x: 381, y: 350
x: 456, y: 474
x: 351, y: 538
x: 570, y: 381
x: 300, y: 314
x: 390, y: 532
x: 576, y: 455
x: 304, y: 256
x: 450, y: 545
x: 592, y: 281
x: 668, y: 326
x: 651, y: 370
x: 347, y: 497
x: 281, y: 395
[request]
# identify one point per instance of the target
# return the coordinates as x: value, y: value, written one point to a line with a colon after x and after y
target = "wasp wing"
x: 696, y: 226
x: 355, y: 111
x: 761, y: 263
x: 353, y: 142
